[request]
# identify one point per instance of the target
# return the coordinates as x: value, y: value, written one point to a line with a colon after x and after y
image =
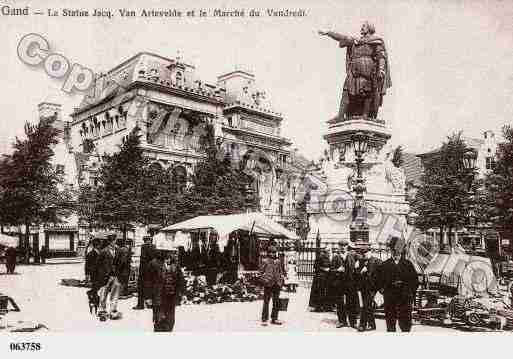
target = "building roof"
x: 159, y: 72
x: 152, y: 70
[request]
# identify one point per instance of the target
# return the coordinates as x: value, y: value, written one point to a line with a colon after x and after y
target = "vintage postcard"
x: 260, y: 167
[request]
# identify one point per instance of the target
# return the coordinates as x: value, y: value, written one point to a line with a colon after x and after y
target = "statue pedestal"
x: 331, y: 205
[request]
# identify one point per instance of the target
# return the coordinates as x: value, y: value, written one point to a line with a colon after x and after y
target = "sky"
x: 451, y: 61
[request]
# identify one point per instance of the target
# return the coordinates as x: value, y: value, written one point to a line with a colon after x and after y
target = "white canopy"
x: 225, y: 224
x: 8, y: 241
x: 468, y: 274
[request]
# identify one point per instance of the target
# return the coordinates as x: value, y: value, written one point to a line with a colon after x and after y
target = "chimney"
x: 236, y: 81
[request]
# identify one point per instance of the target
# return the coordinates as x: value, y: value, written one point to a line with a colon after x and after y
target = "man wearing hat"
x: 143, y: 283
x: 122, y: 264
x: 398, y: 280
x: 347, y: 297
x: 367, y: 271
x: 91, y: 271
x: 168, y: 285
x: 106, y: 276
x: 272, y: 277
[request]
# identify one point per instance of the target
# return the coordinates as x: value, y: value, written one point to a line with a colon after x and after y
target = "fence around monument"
x: 308, y: 250
x: 306, y: 255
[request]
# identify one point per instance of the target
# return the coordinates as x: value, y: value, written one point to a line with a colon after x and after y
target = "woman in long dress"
x: 319, y: 294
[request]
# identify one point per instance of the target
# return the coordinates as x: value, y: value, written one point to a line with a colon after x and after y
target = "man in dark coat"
x: 10, y: 259
x: 347, y: 297
x: 168, y: 285
x: 398, y: 280
x: 212, y: 263
x: 107, y: 281
x: 122, y: 263
x: 91, y: 274
x: 91, y: 260
x: 143, y: 282
x: 367, y: 271
x: 272, y: 277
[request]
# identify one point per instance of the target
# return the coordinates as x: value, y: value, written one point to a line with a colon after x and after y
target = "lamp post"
x: 359, y: 230
x: 469, y: 163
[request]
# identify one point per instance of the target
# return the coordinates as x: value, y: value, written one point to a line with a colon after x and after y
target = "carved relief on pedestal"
x: 394, y: 176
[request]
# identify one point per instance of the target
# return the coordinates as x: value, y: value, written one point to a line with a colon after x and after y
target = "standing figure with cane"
x: 272, y: 278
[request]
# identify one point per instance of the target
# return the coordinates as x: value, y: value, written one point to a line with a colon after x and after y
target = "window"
x: 280, y: 207
x: 180, y: 178
x: 490, y: 163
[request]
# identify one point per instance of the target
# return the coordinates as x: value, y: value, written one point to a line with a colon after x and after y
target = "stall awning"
x: 468, y: 274
x: 8, y: 241
x: 225, y: 224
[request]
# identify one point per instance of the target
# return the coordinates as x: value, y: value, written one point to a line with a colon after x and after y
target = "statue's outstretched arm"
x: 343, y: 40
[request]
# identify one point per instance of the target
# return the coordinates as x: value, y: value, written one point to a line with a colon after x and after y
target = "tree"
x: 160, y: 189
x: 131, y: 190
x: 498, y: 198
x: 443, y: 199
x: 31, y: 188
x: 218, y: 186
x: 118, y: 200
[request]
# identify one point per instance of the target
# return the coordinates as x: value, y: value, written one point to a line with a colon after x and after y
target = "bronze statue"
x: 368, y: 73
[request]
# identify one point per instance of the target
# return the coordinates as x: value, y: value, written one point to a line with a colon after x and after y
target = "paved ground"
x: 42, y: 299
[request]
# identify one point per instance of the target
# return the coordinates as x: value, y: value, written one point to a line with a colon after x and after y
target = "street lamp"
x: 469, y: 163
x: 359, y: 230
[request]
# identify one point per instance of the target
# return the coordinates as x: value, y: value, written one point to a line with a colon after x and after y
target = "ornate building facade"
x: 173, y: 108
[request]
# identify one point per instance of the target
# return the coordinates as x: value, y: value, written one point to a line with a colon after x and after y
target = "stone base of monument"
x: 331, y: 204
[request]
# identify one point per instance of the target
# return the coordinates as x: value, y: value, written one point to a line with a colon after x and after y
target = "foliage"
x: 30, y: 184
x: 132, y: 190
x: 443, y: 199
x: 498, y: 199
x: 217, y: 186
x: 32, y: 190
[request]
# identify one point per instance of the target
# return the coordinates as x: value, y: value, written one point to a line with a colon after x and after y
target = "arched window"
x: 156, y: 166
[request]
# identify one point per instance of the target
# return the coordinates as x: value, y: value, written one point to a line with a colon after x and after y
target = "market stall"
x: 239, y: 238
x: 458, y: 287
x: 221, y: 254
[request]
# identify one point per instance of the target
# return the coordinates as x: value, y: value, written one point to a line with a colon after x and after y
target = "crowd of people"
x: 107, y: 267
x: 160, y: 282
x: 346, y: 281
x: 350, y: 278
